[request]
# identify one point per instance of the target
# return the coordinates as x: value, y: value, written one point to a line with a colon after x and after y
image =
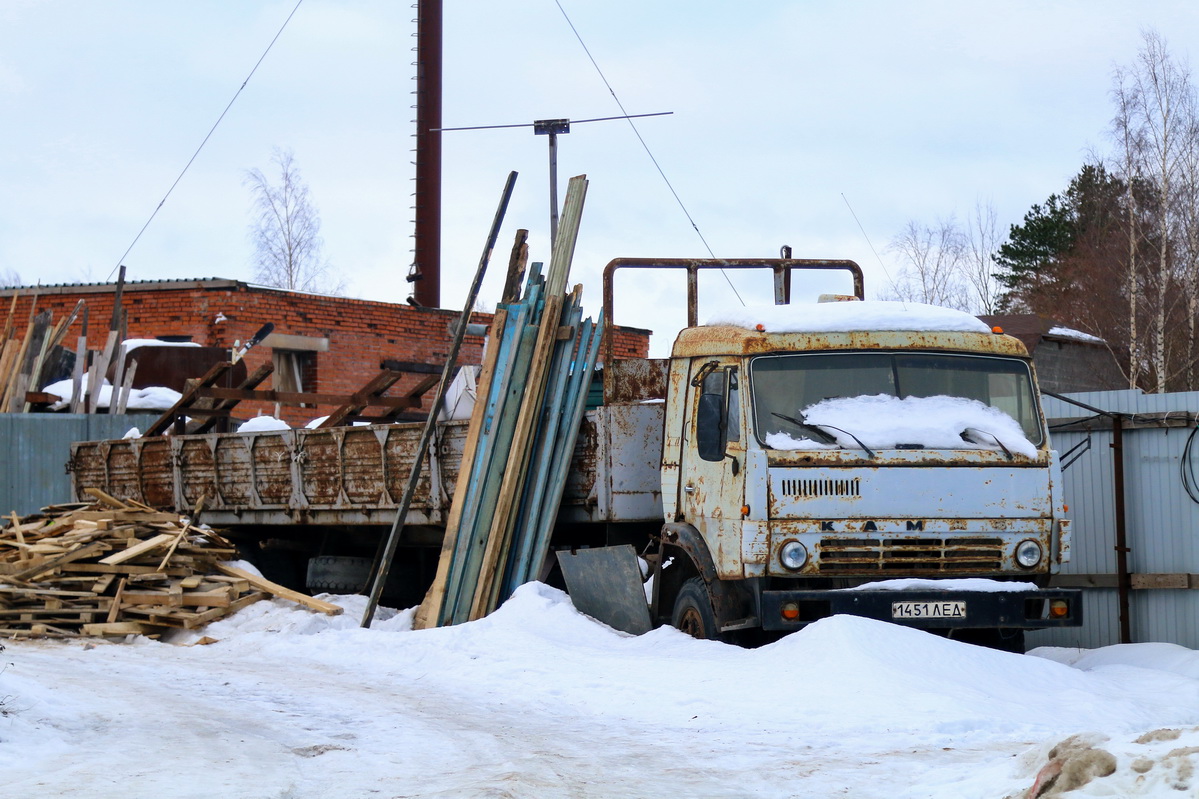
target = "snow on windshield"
x: 831, y: 317
x: 882, y: 421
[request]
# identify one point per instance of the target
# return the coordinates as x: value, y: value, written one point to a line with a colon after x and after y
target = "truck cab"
x: 858, y: 457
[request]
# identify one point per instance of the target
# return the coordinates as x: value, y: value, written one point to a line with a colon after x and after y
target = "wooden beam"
x: 250, y: 383
x: 374, y: 389
x: 150, y: 544
x: 295, y: 398
x: 161, y: 424
x: 263, y: 584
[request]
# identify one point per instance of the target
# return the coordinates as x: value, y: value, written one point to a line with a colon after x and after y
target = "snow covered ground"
x: 540, y: 701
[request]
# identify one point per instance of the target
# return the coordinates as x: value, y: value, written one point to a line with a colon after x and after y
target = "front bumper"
x: 1017, y: 610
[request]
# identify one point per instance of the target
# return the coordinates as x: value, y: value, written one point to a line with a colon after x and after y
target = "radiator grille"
x: 806, y: 487
x: 958, y: 554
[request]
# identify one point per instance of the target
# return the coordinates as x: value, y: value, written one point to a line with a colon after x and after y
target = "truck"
x: 783, y: 465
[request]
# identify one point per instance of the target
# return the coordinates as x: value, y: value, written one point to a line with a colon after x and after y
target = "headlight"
x: 793, y: 555
x: 1028, y: 553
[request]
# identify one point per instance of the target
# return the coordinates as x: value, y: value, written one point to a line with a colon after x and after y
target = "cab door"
x: 711, y: 480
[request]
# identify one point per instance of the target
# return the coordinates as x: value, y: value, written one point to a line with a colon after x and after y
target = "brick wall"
x: 361, y: 333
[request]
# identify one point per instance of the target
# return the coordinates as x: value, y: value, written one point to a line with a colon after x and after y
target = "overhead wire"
x: 644, y: 145
x: 866, y: 236
x: 206, y: 138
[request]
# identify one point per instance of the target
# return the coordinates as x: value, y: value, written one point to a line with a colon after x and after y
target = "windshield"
x: 787, y: 384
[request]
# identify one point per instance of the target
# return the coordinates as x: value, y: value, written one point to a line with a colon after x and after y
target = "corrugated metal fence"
x: 35, y: 448
x: 1162, y: 521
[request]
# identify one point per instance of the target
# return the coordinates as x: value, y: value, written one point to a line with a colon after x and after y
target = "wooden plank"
x: 251, y: 382
x: 503, y: 402
x: 126, y: 387
x: 150, y: 544
x: 429, y: 612
x: 87, y: 551
x: 115, y: 608
x: 275, y: 589
x: 374, y: 389
x: 99, y: 373
x: 517, y: 461
x: 121, y: 628
x: 174, y: 617
x: 162, y: 423
x: 106, y: 499
x: 126, y: 514
x: 126, y: 569
x: 216, y: 598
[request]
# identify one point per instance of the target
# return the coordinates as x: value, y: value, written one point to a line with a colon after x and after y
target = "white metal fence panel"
x: 1162, y: 520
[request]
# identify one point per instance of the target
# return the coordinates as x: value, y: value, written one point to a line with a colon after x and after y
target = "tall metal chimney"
x: 426, y: 266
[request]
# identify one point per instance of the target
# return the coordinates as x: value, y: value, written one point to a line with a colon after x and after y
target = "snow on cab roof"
x: 832, y: 317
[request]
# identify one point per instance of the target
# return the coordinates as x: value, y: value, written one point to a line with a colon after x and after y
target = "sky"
x: 826, y: 126
x: 539, y: 700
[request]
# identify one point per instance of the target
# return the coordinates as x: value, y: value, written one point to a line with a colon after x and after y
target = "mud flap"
x: 605, y: 583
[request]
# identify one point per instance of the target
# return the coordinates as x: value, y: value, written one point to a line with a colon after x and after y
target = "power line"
x: 206, y: 138
x: 868, y: 241
x: 637, y: 133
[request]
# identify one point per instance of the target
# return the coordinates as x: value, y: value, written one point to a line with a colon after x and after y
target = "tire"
x: 338, y: 575
x: 693, y: 613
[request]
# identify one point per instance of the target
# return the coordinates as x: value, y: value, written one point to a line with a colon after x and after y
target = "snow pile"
x: 882, y: 421
x: 954, y: 584
x: 318, y: 421
x: 152, y: 398
x: 260, y: 424
x: 539, y: 700
x: 131, y: 344
x: 832, y: 317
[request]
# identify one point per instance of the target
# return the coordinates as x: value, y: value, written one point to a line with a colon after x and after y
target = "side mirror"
x: 710, y: 427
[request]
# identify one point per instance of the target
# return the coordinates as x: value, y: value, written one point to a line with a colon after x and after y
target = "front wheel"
x: 693, y: 612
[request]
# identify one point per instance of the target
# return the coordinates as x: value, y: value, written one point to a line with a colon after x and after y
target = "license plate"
x: 928, y: 610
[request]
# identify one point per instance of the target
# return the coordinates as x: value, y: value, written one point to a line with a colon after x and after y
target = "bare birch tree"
x: 1130, y: 164
x: 1162, y: 106
x: 1188, y: 205
x: 978, y: 266
x: 285, y: 232
x: 933, y: 261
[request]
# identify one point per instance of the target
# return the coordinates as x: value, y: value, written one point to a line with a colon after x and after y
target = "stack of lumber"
x: 532, y: 392
x: 113, y: 568
x: 25, y: 362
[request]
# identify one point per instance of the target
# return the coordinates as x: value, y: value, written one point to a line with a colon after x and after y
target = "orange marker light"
x: 997, y: 329
x: 761, y: 328
x: 790, y: 611
x: 1058, y: 608
x: 744, y: 510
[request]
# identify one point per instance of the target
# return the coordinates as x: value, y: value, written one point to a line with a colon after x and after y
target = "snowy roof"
x: 1077, y: 335
x: 832, y: 317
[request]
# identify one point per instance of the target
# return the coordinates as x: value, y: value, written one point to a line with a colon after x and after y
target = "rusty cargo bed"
x: 356, y: 475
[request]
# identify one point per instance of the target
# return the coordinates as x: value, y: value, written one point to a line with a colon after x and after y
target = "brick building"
x: 320, y: 344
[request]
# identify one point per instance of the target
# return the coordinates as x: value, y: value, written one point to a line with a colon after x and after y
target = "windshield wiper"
x: 972, y: 434
x: 817, y: 433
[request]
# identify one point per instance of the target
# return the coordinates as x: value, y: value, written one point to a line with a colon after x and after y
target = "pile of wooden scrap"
x: 535, y: 379
x: 26, y: 362
x: 115, y: 568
